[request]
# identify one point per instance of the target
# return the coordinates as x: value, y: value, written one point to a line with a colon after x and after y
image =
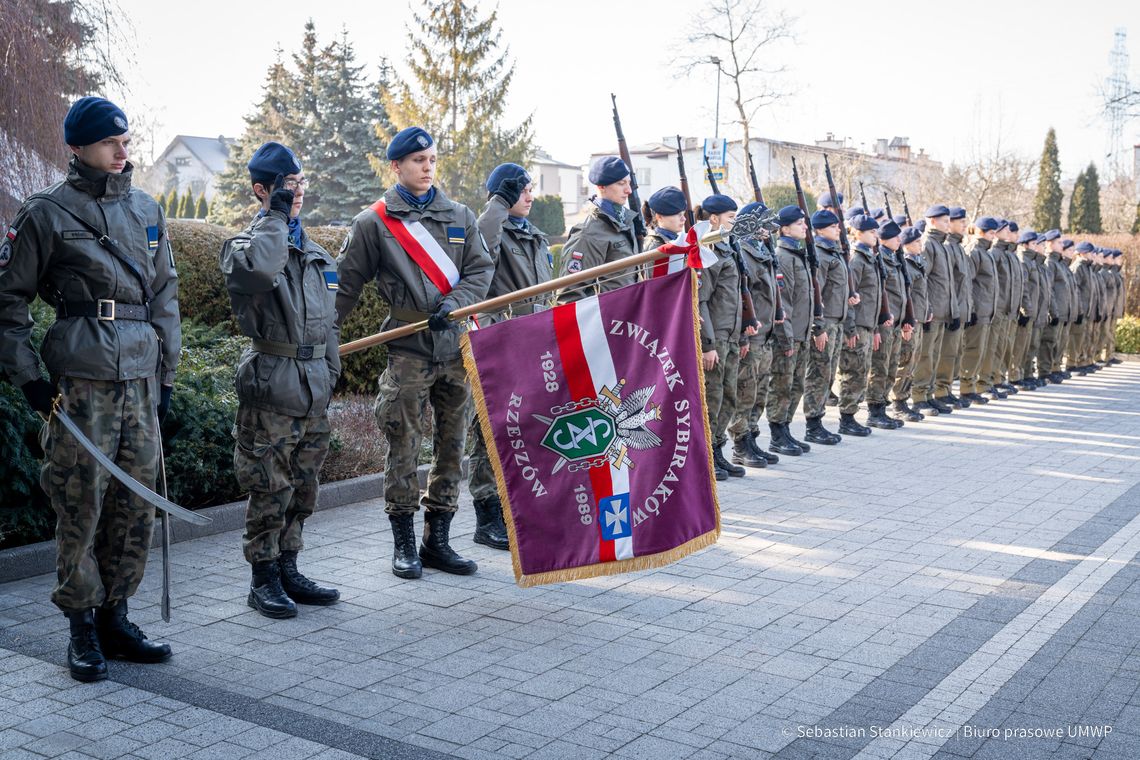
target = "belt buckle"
x: 103, y: 313
x: 304, y: 352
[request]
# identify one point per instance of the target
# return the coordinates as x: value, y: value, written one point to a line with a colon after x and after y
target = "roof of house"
x: 211, y: 151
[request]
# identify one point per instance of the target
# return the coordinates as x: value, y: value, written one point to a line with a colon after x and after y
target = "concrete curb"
x: 37, y: 559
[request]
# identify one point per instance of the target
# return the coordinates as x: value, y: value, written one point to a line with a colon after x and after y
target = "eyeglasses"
x: 296, y: 184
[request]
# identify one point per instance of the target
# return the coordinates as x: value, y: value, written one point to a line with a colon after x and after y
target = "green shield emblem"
x: 584, y: 434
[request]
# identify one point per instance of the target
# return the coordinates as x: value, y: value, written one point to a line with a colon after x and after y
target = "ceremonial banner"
x: 595, y: 423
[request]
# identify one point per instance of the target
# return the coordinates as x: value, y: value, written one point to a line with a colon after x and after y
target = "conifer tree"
x: 1075, y: 199
x: 201, y: 207
x: 1047, y: 204
x: 1089, y: 210
x: 170, y: 203
x: 186, y: 205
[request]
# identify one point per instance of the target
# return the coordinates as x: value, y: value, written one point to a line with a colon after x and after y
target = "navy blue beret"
x: 1050, y: 235
x: 863, y: 223
x: 753, y: 207
x: 1066, y: 244
x: 899, y: 219
x: 1085, y: 247
x: 920, y: 225
x: 987, y: 224
x: 1002, y: 223
x: 272, y: 159
x: 911, y: 234
x: 789, y: 215
x: 505, y: 171
x: 878, y: 213
x: 667, y: 201
x: 718, y: 204
x: 90, y: 120
x: 936, y: 210
x: 1117, y: 254
x: 1029, y: 236
x: 1012, y: 226
x: 823, y: 218
x: 853, y: 212
x: 608, y: 170
x: 889, y: 230
x: 957, y: 212
x: 827, y: 200
x: 409, y: 141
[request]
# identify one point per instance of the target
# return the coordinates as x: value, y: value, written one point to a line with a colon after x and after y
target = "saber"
x: 165, y: 537
x: 132, y: 485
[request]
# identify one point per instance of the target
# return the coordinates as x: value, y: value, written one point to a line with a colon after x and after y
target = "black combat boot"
x: 299, y: 588
x: 937, y: 405
x: 489, y: 528
x: 817, y: 433
x: 1067, y: 374
x: 804, y: 447
x: 849, y: 426
x: 744, y: 452
x: 121, y: 639
x: 733, y: 470
x: 1056, y: 378
x: 996, y: 394
x: 976, y: 398
x: 1009, y: 388
x: 903, y: 409
x: 84, y: 656
x: 1113, y: 360
x: 781, y: 442
x: 436, y: 551
x: 926, y: 408
x: 405, y: 561
x: 769, y: 457
x: 266, y: 594
x: 877, y: 417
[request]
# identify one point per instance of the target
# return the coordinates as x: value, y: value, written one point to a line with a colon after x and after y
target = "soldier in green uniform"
x: 1087, y: 287
x: 983, y: 280
x: 1062, y: 310
x: 522, y: 258
x: 943, y: 302
x: 756, y: 364
x: 1035, y: 368
x: 790, y: 354
x: 95, y: 249
x: 606, y: 234
x: 910, y: 350
x: 823, y: 349
x: 885, y: 361
x: 1010, y: 284
x: 950, y: 358
x: 283, y: 287
x: 1027, y: 311
x: 861, y: 334
x: 665, y: 215
x: 1116, y: 295
x: 427, y: 258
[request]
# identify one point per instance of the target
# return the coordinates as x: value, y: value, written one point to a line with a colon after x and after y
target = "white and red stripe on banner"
x: 414, y: 238
x: 687, y: 255
x: 589, y: 367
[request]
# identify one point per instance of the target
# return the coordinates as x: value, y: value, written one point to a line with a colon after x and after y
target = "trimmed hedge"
x: 1128, y: 335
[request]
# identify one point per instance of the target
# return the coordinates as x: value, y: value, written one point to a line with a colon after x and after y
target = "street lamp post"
x: 716, y: 123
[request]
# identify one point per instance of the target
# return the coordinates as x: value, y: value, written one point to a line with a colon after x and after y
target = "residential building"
x: 188, y: 162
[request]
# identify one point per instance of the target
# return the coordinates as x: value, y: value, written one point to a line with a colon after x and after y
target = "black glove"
x: 926, y: 326
x: 281, y: 199
x: 164, y: 402
x: 953, y: 324
x: 510, y: 189
x: 40, y: 395
x: 1054, y: 321
x: 1080, y: 318
x: 439, y: 322
x: 1022, y: 320
x: 973, y: 319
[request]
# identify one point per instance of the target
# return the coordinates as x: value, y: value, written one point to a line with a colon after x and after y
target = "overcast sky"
x: 950, y: 80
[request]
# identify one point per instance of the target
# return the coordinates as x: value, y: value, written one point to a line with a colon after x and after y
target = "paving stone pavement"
x: 966, y: 587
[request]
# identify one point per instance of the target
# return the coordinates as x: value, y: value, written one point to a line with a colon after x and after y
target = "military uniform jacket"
x: 832, y: 276
x: 1059, y: 277
x: 795, y: 288
x: 869, y: 287
x: 719, y: 299
x: 1031, y: 294
x: 597, y: 240
x: 1117, y: 309
x: 939, y: 276
x: 522, y: 257
x: 372, y: 252
x: 286, y: 295
x: 895, y: 285
x: 963, y: 287
x: 919, y: 302
x: 985, y: 281
x: 1010, y: 279
x: 1087, y: 288
x: 1104, y: 292
x: 762, y: 268
x: 1044, y: 291
x: 47, y: 252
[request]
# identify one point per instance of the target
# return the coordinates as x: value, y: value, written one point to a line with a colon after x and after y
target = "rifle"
x: 747, y: 307
x: 689, y: 221
x: 809, y: 242
x: 906, y: 210
x: 634, y: 200
x: 755, y: 184
x: 884, y: 302
x: 908, y: 307
x: 844, y: 243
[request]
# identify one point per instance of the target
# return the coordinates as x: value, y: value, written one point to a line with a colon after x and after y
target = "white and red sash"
x: 415, y: 239
x: 686, y: 253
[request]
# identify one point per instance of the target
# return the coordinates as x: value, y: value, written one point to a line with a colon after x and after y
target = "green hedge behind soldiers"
x: 96, y: 249
x: 282, y: 287
x: 427, y: 258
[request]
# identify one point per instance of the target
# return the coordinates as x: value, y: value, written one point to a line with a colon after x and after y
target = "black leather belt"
x: 104, y: 310
x: 289, y: 350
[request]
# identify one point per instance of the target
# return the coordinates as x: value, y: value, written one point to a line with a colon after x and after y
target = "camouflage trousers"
x: 909, y: 351
x: 975, y: 347
x: 720, y: 389
x: 923, y: 386
x: 481, y: 475
x: 884, y: 365
x: 1032, y: 365
x: 854, y: 364
x: 996, y: 361
x: 752, y: 390
x: 786, y: 387
x: 1022, y: 334
x: 277, y: 459
x: 948, y: 359
x: 821, y: 369
x: 1053, y: 341
x: 407, y: 386
x: 102, y: 531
